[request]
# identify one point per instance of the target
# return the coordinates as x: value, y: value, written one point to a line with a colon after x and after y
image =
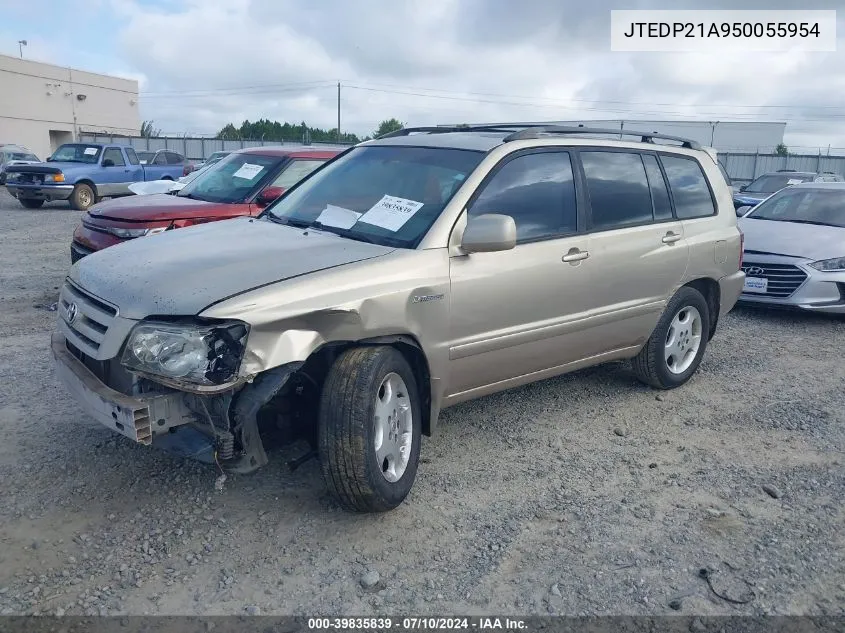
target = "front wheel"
x: 82, y: 197
x: 370, y: 429
x: 31, y: 203
x: 675, y: 349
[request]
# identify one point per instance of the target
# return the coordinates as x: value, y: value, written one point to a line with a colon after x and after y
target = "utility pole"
x: 21, y: 44
x: 338, y: 112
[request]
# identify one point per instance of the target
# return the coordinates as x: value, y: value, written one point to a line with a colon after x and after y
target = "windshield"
x: 145, y: 157
x: 77, y: 153
x: 22, y: 156
x: 776, y: 182
x: 386, y: 195
x: 804, y: 206
x: 232, y: 179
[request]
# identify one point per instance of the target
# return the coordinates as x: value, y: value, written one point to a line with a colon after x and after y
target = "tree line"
x: 267, y: 130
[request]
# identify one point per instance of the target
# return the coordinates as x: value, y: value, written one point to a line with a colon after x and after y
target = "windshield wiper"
x: 808, y: 222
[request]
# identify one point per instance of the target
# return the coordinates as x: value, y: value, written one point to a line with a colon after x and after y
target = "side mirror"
x: 268, y: 195
x: 489, y: 233
x: 743, y: 187
x: 108, y: 162
x: 742, y: 211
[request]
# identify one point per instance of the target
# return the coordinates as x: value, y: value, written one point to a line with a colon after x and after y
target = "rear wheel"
x: 369, y: 429
x: 82, y: 197
x: 31, y: 203
x: 676, y: 347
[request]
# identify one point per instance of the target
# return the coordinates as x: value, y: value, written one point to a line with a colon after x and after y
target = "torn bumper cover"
x: 155, y: 419
x: 138, y: 418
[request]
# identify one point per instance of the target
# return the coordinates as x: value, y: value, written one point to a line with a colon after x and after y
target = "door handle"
x: 671, y: 238
x: 575, y: 255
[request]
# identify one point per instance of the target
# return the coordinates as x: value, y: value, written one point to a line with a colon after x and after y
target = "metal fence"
x: 742, y: 167
x: 190, y: 148
x: 745, y: 167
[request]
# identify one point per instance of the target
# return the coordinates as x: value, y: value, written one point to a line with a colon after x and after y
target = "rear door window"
x: 618, y: 189
x: 659, y: 191
x: 160, y: 159
x: 689, y: 187
x: 174, y: 159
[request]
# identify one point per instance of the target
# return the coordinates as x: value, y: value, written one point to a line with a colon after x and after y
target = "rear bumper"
x: 138, y: 418
x: 730, y: 288
x: 40, y: 192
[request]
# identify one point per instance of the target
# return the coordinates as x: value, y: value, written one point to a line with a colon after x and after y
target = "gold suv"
x: 422, y: 269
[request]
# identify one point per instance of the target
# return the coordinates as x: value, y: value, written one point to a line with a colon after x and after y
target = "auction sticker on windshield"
x: 338, y: 217
x: 90, y: 151
x: 793, y: 181
x: 391, y: 213
x: 248, y: 171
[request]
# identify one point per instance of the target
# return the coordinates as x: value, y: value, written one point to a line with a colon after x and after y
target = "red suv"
x: 243, y: 183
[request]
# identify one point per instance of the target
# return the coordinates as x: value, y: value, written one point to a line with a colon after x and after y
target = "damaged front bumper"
x: 138, y: 418
x: 175, y: 421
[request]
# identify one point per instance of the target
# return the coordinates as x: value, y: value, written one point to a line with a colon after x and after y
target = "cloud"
x: 211, y: 62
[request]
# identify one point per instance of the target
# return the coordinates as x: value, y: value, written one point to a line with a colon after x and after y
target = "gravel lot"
x: 585, y: 494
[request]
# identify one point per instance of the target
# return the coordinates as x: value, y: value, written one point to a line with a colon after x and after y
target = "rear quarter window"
x: 690, y: 190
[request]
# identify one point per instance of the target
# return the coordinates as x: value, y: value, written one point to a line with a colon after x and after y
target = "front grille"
x: 783, y: 279
x: 25, y: 178
x: 78, y: 251
x: 84, y: 319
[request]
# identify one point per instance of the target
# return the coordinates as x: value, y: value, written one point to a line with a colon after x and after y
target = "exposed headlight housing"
x: 206, y: 355
x: 830, y: 265
x: 12, y: 176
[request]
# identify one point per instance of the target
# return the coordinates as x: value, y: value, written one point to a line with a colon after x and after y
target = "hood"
x: 749, y: 198
x: 183, y: 272
x: 12, y: 163
x: 796, y: 240
x: 159, y: 206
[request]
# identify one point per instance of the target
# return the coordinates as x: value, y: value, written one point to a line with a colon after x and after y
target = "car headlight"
x: 129, y: 233
x: 12, y: 176
x: 54, y: 178
x: 203, y: 354
x: 830, y: 265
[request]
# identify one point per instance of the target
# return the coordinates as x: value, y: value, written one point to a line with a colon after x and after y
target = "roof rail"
x: 792, y: 171
x: 645, y: 137
x: 441, y: 129
x: 520, y: 131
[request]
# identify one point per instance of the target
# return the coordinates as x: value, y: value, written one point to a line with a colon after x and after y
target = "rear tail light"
x: 741, y: 247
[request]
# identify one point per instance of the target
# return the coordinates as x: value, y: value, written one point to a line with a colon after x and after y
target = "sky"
x: 204, y: 63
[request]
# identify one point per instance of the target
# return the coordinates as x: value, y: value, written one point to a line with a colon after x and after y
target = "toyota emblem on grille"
x: 71, y: 313
x: 754, y: 271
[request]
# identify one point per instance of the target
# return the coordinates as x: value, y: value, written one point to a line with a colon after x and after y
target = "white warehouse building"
x: 724, y: 136
x: 43, y: 106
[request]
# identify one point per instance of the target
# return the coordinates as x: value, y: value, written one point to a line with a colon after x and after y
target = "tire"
x: 347, y: 429
x: 83, y: 197
x: 686, y: 316
x: 31, y: 203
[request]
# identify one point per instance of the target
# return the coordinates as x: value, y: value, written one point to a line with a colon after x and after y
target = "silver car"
x: 795, y: 249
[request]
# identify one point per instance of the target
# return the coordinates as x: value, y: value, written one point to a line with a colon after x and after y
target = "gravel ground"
x: 584, y: 494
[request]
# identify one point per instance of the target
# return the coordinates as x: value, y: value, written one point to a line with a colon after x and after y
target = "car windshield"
x: 22, y: 156
x: 385, y: 195
x: 145, y: 157
x: 232, y: 179
x: 77, y: 153
x: 804, y: 206
x: 775, y: 182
